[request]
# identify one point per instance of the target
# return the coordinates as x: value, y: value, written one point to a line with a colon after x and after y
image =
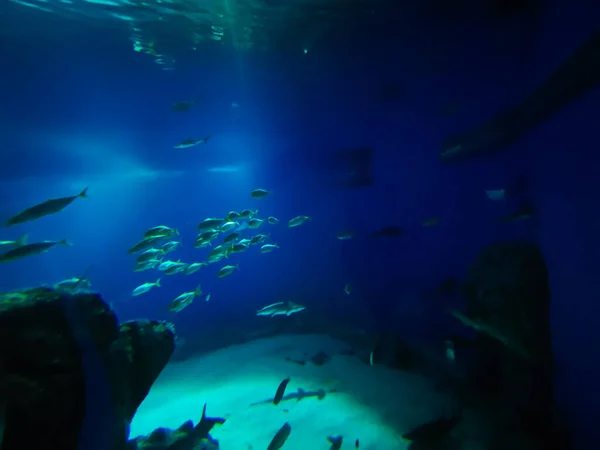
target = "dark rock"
x: 508, y: 289
x: 74, y: 376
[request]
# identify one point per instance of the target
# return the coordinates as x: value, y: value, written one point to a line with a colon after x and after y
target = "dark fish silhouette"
x: 183, y: 106
x: 46, y: 208
x: 30, y: 249
x: 189, y: 142
x: 335, y: 441
x: 280, y: 437
x: 200, y: 431
x: 280, y: 391
x: 298, y: 362
x: 300, y: 394
x: 390, y: 232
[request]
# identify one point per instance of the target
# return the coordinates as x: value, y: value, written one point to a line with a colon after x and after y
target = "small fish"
x: 280, y: 437
x: 231, y: 238
x: 168, y: 264
x: 390, y: 232
x: 210, y: 224
x: 228, y: 226
x: 145, y: 244
x: 335, y: 441
x: 46, y: 208
x: 272, y: 220
x: 345, y: 235
x: 142, y: 289
x: 280, y: 391
x: 160, y: 230
x: 430, y: 222
x: 31, y: 249
x: 194, y: 267
x: 348, y: 289
x: 255, y: 223
x: 280, y: 309
x: 232, y: 215
x: 71, y: 284
x: 248, y: 213
x: 207, y: 299
x: 259, y: 193
x: 169, y: 246
x: 18, y: 243
x: 239, y: 247
x: 147, y: 265
x: 227, y: 270
x: 268, y: 248
x: 183, y: 106
x: 356, y: 443
x: 149, y: 254
x: 297, y: 221
x: 258, y: 239
x: 177, y: 268
x: 184, y: 300
x: 189, y: 142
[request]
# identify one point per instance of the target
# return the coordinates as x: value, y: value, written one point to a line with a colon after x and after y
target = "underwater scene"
x: 299, y: 224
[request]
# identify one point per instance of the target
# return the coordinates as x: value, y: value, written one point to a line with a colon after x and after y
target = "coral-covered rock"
x: 74, y: 376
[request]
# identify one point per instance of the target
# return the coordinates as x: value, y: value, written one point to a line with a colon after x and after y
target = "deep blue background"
x: 79, y: 108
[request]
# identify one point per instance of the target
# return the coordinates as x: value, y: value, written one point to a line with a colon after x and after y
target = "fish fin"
x: 21, y: 241
x: 213, y: 420
x: 83, y: 194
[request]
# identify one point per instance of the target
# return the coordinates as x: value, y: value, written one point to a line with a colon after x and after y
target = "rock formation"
x: 508, y: 300
x: 73, y: 376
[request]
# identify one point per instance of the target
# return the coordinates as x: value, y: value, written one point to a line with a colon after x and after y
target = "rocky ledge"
x: 71, y: 376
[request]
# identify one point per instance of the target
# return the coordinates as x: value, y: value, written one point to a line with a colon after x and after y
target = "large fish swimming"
x: 30, y: 249
x: 46, y: 208
x: 189, y: 142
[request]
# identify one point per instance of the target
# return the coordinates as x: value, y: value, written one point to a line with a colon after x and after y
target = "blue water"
x: 80, y: 108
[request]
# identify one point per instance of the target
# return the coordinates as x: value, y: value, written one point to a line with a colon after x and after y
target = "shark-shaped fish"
x: 300, y: 394
x: 189, y: 142
x: 280, y: 309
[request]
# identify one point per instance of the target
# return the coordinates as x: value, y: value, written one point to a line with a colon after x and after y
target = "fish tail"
x: 157, y: 284
x: 65, y: 242
x: 198, y: 290
x: 22, y: 240
x: 206, y: 139
x: 237, y: 266
x: 83, y: 193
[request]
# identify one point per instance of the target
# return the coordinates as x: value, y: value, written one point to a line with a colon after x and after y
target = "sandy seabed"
x: 374, y: 404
